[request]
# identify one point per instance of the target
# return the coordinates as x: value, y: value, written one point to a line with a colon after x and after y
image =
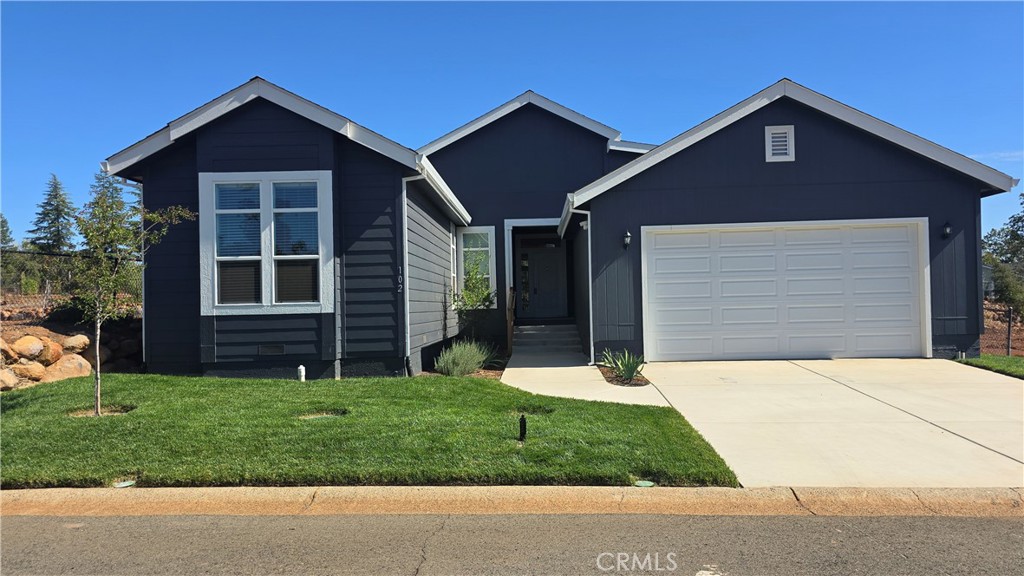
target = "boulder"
x: 130, y: 347
x: 76, y: 344
x: 52, y: 352
x: 28, y: 369
x: 90, y: 354
x: 9, y: 355
x: 8, y: 379
x: 28, y: 347
x: 69, y: 366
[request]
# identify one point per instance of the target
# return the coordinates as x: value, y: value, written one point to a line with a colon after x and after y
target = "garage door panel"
x: 746, y: 288
x: 789, y: 292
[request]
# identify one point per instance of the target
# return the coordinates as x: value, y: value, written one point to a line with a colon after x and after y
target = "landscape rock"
x: 9, y: 355
x: 90, y: 355
x: 76, y: 344
x: 52, y: 352
x: 69, y: 366
x: 28, y: 369
x: 8, y: 379
x: 28, y: 347
x: 129, y: 347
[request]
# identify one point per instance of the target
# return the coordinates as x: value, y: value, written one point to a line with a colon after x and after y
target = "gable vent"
x: 779, y: 145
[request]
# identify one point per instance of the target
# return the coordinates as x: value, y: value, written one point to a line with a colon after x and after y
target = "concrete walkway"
x: 866, y: 423
x: 567, y: 375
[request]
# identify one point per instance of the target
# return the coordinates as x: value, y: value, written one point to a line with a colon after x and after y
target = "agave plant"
x: 625, y: 364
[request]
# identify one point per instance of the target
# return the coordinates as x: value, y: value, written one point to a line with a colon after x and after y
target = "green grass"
x: 414, y: 431
x: 1009, y: 365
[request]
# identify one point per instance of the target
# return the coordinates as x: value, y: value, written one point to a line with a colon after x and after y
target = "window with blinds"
x: 779, y: 144
x: 238, y: 250
x: 296, y: 242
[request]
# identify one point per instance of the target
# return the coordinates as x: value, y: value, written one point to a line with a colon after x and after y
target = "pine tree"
x: 54, y: 223
x: 6, y: 239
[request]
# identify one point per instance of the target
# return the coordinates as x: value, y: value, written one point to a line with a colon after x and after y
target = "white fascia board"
x: 627, y: 146
x: 451, y: 202
x: 260, y: 88
x: 899, y: 136
x: 563, y: 221
x: 146, y: 147
x: 810, y: 98
x: 528, y: 97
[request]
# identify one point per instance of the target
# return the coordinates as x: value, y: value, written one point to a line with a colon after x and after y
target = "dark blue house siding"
x: 520, y: 166
x: 840, y: 173
x: 172, y: 267
x: 431, y: 317
x: 368, y: 194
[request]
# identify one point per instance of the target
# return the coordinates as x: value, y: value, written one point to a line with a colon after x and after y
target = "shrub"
x: 1008, y: 287
x: 475, y: 298
x: 462, y: 358
x: 625, y: 364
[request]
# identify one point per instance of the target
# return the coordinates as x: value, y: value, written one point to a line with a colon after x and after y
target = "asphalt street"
x: 512, y: 544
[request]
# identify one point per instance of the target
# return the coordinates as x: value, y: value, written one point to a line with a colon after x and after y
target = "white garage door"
x: 829, y: 290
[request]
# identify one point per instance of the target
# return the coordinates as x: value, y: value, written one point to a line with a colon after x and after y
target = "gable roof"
x: 787, y: 88
x: 260, y: 88
x: 531, y: 97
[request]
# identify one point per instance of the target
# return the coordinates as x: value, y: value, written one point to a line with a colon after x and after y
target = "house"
x: 787, y: 226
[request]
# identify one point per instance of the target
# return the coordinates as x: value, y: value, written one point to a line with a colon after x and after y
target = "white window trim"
x: 491, y: 250
x: 790, y: 140
x: 208, y: 243
x: 453, y: 256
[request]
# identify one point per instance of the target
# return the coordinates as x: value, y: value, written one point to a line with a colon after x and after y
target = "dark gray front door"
x: 545, y: 285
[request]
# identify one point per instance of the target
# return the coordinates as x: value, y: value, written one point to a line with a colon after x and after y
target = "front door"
x: 542, y: 283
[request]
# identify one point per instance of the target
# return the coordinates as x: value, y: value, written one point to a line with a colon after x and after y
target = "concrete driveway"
x: 856, y: 423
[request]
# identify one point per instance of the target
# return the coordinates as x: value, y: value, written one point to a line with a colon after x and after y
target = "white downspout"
x: 405, y: 263
x: 590, y: 281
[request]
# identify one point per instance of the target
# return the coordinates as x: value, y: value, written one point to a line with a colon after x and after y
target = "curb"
x: 342, y: 500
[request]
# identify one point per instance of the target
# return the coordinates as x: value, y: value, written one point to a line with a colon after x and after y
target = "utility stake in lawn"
x: 522, y: 427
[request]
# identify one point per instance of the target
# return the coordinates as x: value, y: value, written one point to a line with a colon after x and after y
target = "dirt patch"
x: 611, y: 378
x: 336, y: 413
x: 109, y: 410
x: 993, y: 341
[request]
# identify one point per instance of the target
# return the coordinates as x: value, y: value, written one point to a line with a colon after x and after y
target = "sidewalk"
x: 336, y: 500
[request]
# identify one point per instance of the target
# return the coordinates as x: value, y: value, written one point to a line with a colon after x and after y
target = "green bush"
x: 29, y: 285
x: 464, y: 357
x: 1008, y: 286
x: 625, y: 364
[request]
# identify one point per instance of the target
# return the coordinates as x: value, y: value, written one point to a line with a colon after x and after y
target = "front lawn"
x: 427, y: 430
x: 1009, y: 365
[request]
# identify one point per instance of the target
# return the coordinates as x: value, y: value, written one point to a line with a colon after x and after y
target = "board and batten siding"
x: 840, y: 173
x: 431, y: 317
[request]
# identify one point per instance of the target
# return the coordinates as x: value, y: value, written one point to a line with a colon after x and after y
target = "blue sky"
x: 81, y: 81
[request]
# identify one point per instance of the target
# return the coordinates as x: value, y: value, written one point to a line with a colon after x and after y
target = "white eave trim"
x: 627, y: 146
x: 528, y: 97
x: 785, y: 87
x: 447, y: 197
x: 563, y: 221
x: 259, y: 88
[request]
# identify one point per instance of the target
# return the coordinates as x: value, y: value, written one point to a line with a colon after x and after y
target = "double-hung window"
x: 266, y: 242
x: 476, y: 250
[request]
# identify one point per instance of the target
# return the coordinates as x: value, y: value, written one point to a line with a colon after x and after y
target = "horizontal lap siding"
x: 172, y: 267
x: 264, y: 137
x: 367, y: 191
x: 431, y: 318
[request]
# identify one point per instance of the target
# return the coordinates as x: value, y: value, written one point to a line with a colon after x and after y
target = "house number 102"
x: 401, y: 280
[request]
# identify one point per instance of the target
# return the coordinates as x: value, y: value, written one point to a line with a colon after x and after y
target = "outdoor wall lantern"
x: 626, y: 239
x: 947, y: 230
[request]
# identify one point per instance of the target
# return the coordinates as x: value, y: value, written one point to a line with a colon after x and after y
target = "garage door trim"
x: 924, y: 274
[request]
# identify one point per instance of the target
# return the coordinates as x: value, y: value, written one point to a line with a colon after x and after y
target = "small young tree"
x: 54, y: 224
x: 1006, y: 243
x: 476, y: 295
x: 115, y: 235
